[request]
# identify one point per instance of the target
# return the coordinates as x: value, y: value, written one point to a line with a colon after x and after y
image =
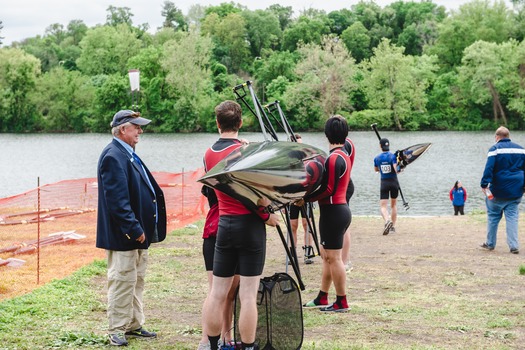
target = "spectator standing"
x: 504, y: 179
x: 458, y: 196
x: 131, y: 215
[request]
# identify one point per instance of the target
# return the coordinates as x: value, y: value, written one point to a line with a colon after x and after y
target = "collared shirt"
x: 131, y: 151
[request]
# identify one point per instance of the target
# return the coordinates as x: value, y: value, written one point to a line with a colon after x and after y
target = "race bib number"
x: 386, y: 169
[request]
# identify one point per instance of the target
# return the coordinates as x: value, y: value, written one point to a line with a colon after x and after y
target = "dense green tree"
x: 276, y: 64
x: 412, y: 14
x: 18, y: 75
x: 357, y: 40
x: 147, y: 61
x: 396, y: 87
x: 106, y: 50
x: 43, y: 48
x: 153, y: 98
x: 58, y: 46
x: 366, y: 12
x: 324, y: 75
x: 397, y: 83
x: 173, y: 17
x: 112, y: 95
x: 76, y: 30
x: 229, y: 35
x: 187, y: 65
x: 443, y: 101
x: 340, y: 20
x: 276, y: 89
x: 305, y: 30
x: 476, y: 20
x: 516, y: 78
x: 1, y: 37
x: 263, y: 30
x: 164, y: 35
x: 283, y: 13
x: 118, y: 15
x: 64, y: 99
x: 225, y: 9
x: 485, y: 71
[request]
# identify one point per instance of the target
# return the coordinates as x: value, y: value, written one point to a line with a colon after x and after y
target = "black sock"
x: 250, y: 346
x: 214, y: 341
x: 321, y: 295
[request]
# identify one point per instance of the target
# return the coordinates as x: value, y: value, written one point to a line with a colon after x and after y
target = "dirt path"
x: 427, y: 285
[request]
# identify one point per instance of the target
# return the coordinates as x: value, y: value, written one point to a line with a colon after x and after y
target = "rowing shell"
x: 281, y: 171
x: 410, y: 154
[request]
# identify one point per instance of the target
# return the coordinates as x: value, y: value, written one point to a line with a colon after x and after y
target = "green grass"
x: 41, y: 319
x: 401, y: 296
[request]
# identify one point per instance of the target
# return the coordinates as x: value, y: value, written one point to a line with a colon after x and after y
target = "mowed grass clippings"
x: 428, y: 286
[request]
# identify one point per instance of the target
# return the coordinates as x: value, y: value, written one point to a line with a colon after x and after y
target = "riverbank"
x: 429, y: 285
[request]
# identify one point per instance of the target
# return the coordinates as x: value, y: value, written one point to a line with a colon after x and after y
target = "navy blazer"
x: 126, y: 203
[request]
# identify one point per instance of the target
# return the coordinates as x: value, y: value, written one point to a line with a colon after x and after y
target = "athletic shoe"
x: 312, y: 304
x: 334, y: 308
x: 485, y: 246
x: 388, y: 226
x: 140, y: 333
x: 392, y: 230
x: 204, y: 346
x: 515, y: 251
x: 348, y: 266
x: 117, y: 339
x: 308, y: 261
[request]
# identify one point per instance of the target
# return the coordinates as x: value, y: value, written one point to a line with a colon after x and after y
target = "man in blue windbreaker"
x: 504, y: 176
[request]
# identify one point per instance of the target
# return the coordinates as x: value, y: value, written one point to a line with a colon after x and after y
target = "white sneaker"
x: 204, y: 346
x: 348, y: 266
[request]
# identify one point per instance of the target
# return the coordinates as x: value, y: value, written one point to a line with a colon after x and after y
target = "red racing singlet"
x: 336, y: 176
x: 227, y: 205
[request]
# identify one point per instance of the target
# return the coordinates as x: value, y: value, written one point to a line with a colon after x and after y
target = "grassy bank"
x: 428, y: 286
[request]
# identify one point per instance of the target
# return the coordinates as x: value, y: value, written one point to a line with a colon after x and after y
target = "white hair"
x: 116, y: 129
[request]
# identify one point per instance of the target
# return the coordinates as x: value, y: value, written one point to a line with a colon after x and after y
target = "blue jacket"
x: 126, y: 203
x: 505, y: 170
x: 459, y: 196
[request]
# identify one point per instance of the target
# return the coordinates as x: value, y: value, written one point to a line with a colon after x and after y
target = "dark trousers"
x: 459, y: 209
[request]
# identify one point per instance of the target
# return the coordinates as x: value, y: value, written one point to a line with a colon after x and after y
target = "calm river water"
x: 425, y: 183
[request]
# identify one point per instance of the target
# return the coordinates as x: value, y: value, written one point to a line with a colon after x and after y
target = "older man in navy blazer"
x: 131, y: 216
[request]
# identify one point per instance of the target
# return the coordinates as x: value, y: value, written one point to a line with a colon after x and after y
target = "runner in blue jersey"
x: 386, y: 164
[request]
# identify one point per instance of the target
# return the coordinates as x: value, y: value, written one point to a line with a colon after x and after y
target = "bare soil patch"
x: 429, y: 285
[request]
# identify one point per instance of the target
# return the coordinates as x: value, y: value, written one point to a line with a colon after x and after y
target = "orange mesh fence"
x: 49, y: 232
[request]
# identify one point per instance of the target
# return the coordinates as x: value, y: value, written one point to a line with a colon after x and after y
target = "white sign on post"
x: 134, y: 79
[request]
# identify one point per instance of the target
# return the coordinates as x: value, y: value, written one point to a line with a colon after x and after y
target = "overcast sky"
x: 27, y: 18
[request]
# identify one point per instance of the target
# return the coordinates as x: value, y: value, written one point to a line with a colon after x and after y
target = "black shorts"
x: 295, y: 210
x: 241, y: 243
x: 208, y: 251
x: 389, y: 188
x: 334, y: 219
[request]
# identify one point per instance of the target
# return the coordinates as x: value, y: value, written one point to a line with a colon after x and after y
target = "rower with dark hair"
x: 458, y: 196
x: 386, y: 164
x: 334, y: 216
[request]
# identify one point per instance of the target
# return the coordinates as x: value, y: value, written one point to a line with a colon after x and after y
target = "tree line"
x: 405, y: 66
